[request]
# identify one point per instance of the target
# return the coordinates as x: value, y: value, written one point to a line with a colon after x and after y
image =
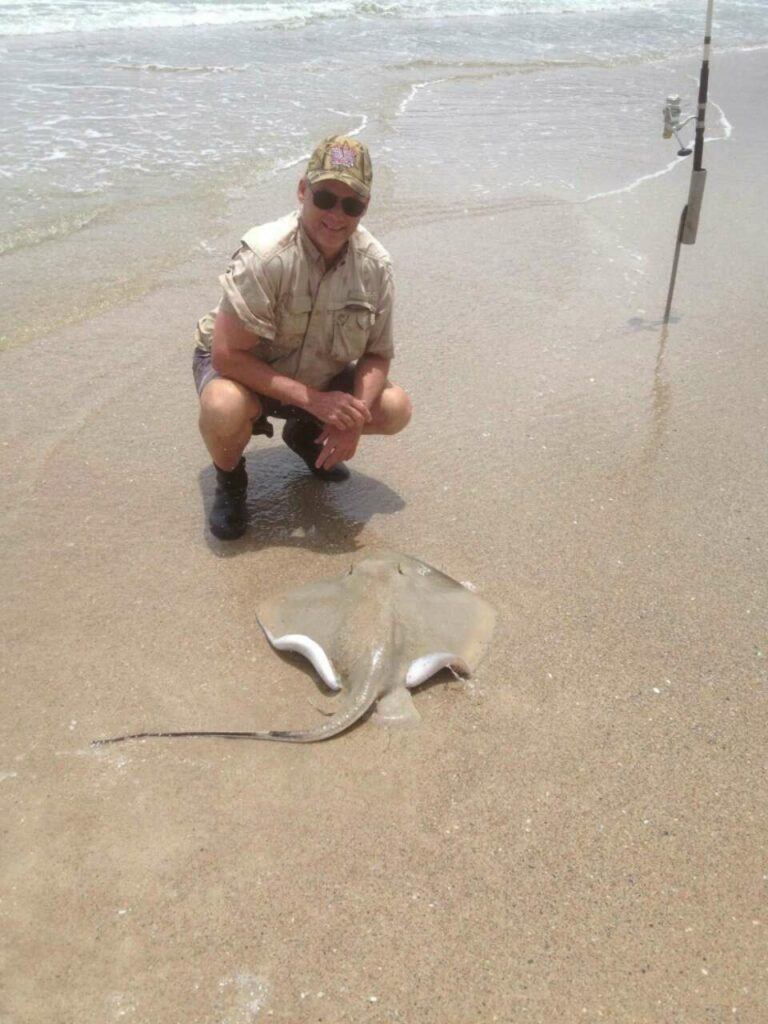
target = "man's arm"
x: 370, y: 378
x: 232, y: 357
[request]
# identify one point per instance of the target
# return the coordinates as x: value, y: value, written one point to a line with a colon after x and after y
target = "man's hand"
x: 337, y: 445
x: 340, y: 411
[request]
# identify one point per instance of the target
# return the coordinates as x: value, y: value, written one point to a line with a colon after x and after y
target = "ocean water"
x: 137, y: 124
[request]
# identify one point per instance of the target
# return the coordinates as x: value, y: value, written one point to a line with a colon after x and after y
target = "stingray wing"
x: 443, y: 623
x: 307, y: 620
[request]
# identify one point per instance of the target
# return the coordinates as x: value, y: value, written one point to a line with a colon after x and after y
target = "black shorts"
x: 204, y: 373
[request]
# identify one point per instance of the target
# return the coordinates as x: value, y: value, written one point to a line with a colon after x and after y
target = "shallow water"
x: 138, y: 128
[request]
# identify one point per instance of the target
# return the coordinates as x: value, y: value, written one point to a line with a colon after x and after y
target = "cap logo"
x: 342, y: 156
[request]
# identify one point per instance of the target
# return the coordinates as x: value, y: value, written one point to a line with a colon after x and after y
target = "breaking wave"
x: 40, y: 17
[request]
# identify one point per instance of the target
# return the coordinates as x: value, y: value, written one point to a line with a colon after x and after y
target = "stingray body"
x: 386, y: 625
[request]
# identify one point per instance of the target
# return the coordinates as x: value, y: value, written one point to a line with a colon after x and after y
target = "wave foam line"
x: 29, y: 237
x: 100, y: 17
x: 195, y: 69
x: 415, y: 90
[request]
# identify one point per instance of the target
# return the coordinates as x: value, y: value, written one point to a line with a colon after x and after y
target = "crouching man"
x: 303, y: 332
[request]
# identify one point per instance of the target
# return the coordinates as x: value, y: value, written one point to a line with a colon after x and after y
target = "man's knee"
x: 393, y: 411
x: 226, y: 406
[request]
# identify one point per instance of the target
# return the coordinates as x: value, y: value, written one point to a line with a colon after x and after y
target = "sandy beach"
x: 579, y: 832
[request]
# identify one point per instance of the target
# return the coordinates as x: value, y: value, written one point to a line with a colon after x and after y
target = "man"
x: 303, y: 332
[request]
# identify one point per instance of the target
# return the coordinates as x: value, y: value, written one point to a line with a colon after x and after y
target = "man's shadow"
x: 288, y: 507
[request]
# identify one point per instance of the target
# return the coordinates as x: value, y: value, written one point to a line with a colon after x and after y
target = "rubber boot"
x: 229, y: 517
x: 300, y: 436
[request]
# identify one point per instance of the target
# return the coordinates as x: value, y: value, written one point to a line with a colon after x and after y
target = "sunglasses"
x: 324, y: 199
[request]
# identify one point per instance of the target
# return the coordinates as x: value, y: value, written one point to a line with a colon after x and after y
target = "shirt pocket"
x: 352, y: 322
x: 292, y: 323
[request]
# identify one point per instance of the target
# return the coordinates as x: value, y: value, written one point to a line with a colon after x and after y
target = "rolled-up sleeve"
x: 380, y: 339
x: 248, y: 293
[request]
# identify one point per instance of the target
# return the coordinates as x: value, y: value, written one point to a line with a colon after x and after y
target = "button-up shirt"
x: 308, y: 322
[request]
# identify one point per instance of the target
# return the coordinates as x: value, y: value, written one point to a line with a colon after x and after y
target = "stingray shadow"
x: 288, y: 507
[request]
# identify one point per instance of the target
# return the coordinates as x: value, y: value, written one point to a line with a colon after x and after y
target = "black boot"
x: 229, y: 517
x: 300, y: 436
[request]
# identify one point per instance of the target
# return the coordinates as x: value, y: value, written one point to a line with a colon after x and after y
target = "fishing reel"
x: 674, y: 121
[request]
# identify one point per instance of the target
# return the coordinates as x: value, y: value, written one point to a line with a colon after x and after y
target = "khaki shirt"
x: 308, y: 323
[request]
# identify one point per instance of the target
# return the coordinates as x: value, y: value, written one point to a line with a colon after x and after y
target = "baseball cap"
x: 341, y: 158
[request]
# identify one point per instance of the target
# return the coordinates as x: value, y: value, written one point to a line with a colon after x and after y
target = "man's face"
x: 328, y: 229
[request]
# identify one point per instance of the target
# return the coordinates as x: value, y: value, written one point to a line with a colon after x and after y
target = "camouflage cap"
x: 340, y: 158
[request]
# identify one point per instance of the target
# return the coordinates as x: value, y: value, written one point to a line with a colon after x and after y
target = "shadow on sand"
x: 288, y: 507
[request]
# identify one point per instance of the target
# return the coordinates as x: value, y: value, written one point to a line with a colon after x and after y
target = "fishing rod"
x: 689, y: 218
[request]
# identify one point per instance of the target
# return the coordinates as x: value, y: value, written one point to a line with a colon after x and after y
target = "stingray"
x: 389, y: 623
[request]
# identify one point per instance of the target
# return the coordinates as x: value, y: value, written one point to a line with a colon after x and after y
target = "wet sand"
x: 579, y: 832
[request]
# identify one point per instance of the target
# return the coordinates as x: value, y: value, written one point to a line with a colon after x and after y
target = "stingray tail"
x: 357, y: 706
x: 352, y: 712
